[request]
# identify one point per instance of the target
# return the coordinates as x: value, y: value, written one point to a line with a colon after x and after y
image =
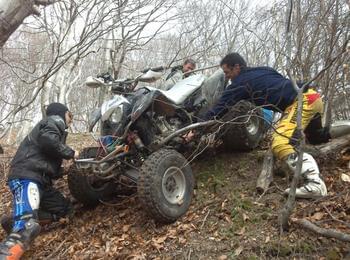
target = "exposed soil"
x: 227, y: 219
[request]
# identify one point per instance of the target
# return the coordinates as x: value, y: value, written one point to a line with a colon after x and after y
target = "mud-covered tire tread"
x: 147, y: 176
x: 236, y: 138
x: 105, y: 129
x: 78, y: 183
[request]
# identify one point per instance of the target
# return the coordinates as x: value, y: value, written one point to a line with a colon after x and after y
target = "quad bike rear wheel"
x: 165, y: 185
x: 84, y: 187
x: 246, y: 129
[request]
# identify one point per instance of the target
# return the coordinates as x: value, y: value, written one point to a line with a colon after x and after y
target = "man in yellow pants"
x: 264, y: 86
x: 285, y: 138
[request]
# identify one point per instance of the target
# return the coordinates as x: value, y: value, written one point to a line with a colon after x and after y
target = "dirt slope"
x: 227, y: 219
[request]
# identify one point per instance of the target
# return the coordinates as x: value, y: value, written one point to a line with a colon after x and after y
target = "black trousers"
x: 53, y: 205
x: 315, y: 133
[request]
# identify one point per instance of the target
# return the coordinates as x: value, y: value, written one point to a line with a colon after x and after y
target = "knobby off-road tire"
x: 83, y: 188
x: 165, y: 185
x: 241, y: 136
x: 105, y: 129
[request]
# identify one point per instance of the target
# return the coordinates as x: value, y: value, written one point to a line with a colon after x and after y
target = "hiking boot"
x: 17, y: 242
x: 7, y: 223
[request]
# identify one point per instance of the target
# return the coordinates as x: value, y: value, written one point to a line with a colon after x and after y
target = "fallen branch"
x: 323, y: 231
x: 205, y: 218
x: 266, y: 175
x: 57, y: 249
x: 335, y: 219
x: 334, y: 145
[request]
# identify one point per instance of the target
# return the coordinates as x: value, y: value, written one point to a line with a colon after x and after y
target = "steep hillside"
x: 227, y: 219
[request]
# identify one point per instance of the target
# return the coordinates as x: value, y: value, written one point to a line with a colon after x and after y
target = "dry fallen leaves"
x: 101, y: 229
x: 228, y: 219
x: 245, y: 217
x: 241, y: 232
x: 317, y: 216
x: 182, y: 240
x: 158, y: 242
x: 238, y: 251
x: 126, y: 228
x: 345, y: 177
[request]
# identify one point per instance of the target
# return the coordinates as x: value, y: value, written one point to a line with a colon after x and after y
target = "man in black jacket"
x: 37, y: 162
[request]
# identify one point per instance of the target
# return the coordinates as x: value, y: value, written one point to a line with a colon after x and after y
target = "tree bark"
x: 266, y: 175
x: 289, y: 206
x: 13, y: 13
x: 333, y: 146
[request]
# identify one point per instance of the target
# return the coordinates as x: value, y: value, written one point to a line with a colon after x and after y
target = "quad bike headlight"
x: 117, y: 115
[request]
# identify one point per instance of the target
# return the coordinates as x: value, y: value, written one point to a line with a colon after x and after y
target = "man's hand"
x: 76, y: 155
x: 189, y: 136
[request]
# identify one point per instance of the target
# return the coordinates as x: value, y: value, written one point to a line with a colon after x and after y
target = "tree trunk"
x: 12, y: 14
x: 266, y: 175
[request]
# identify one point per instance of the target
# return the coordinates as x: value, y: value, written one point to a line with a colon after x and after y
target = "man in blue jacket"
x: 264, y: 86
x: 37, y: 162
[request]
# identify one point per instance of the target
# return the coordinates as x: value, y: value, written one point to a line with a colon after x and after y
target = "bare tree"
x: 51, y: 55
x: 13, y: 13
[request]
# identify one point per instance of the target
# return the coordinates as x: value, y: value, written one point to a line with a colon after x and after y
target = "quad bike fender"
x: 143, y: 103
x: 109, y: 106
x: 94, y: 117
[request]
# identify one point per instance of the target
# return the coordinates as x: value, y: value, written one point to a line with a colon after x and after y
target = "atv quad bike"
x: 140, y: 141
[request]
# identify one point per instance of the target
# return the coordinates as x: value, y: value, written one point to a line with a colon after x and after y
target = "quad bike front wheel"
x: 84, y: 187
x: 165, y: 185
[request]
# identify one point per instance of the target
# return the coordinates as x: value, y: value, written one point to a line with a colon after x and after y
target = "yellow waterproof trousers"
x: 285, y: 138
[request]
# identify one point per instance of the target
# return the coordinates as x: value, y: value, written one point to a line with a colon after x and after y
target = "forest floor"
x: 227, y: 218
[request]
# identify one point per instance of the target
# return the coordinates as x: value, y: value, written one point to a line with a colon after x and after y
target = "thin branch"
x: 46, y: 2
x: 335, y: 219
x: 332, y: 233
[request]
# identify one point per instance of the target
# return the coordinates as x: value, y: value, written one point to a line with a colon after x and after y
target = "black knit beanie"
x: 57, y: 109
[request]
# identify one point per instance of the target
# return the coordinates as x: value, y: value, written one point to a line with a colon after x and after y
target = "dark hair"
x: 232, y: 59
x: 57, y: 109
x: 189, y: 60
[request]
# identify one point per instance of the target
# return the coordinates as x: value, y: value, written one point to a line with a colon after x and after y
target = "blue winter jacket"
x: 263, y: 86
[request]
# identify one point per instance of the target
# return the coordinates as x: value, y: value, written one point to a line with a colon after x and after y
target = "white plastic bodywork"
x: 150, y: 76
x: 177, y: 94
x: 182, y: 89
x: 213, y: 87
x: 109, y: 106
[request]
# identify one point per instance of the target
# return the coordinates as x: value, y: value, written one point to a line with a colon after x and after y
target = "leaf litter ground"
x: 227, y: 219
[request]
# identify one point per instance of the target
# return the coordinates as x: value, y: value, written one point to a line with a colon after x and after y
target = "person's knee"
x: 282, y: 150
x: 67, y: 209
x: 54, y: 205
